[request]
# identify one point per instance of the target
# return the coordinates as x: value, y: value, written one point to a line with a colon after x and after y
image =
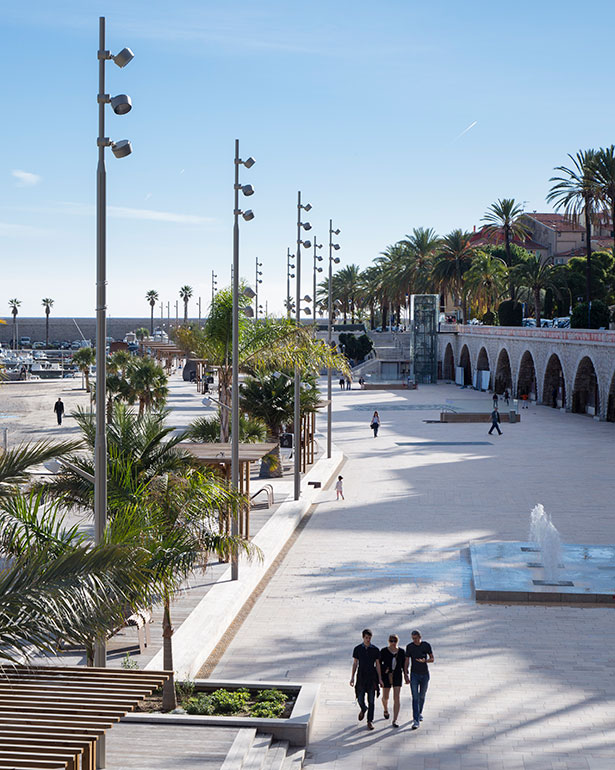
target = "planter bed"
x: 294, y: 728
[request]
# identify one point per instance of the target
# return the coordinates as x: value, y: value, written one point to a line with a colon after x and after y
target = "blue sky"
x: 360, y: 105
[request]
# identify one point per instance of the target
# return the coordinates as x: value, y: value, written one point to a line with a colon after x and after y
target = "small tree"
x: 47, y: 304
x: 185, y: 293
x: 598, y: 318
x: 14, y: 305
x: 152, y: 298
x: 84, y: 359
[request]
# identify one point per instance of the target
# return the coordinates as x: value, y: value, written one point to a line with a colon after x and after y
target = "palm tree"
x: 605, y: 178
x: 536, y: 276
x: 346, y: 287
x: 578, y: 192
x: 14, y: 305
x: 84, y: 358
x: 141, y: 333
x: 486, y: 280
x: 14, y: 463
x: 185, y: 293
x: 47, y: 304
x: 206, y: 430
x: 149, y: 384
x: 453, y: 260
x: 397, y: 267
x: 504, y: 217
x: 152, y: 297
x: 267, y: 346
x: 422, y: 246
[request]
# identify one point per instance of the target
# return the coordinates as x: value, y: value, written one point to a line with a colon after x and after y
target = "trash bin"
x: 512, y: 416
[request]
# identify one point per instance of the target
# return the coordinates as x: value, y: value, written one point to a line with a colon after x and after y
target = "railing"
x: 604, y: 336
x: 268, y: 489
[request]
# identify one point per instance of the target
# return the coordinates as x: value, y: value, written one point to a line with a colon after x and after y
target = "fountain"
x: 570, y: 574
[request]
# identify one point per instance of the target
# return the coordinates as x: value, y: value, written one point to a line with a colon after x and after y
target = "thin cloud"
x: 8, y: 230
x: 25, y: 178
x: 465, y: 130
x: 121, y: 212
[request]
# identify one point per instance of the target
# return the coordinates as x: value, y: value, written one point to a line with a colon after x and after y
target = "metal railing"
x: 268, y: 489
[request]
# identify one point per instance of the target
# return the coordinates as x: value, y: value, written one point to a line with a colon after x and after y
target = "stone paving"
x: 513, y: 687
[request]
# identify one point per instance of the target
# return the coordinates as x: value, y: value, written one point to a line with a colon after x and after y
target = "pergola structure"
x: 218, y: 456
x: 52, y: 716
x: 165, y: 352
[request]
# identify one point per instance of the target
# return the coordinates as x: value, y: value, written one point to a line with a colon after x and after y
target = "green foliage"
x: 488, y: 318
x: 599, y: 316
x: 128, y: 663
x: 184, y: 689
x: 199, y: 705
x: 355, y: 348
x: 510, y: 313
x: 268, y: 704
x: 206, y: 430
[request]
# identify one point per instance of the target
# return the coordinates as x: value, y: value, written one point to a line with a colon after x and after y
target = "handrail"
x: 268, y: 488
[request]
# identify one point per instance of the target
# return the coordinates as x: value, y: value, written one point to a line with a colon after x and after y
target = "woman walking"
x: 339, y: 487
x: 375, y: 423
x: 392, y: 662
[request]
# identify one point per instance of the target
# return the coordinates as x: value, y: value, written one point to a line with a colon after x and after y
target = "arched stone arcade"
x: 464, y: 361
x: 503, y: 379
x: 554, y: 384
x: 526, y: 378
x: 448, y: 366
x: 586, y: 393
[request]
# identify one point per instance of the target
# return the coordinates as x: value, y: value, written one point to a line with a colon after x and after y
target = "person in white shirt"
x: 339, y: 488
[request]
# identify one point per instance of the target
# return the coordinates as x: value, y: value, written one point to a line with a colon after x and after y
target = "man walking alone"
x: 495, y: 421
x: 420, y: 653
x: 366, y: 658
x: 59, y: 410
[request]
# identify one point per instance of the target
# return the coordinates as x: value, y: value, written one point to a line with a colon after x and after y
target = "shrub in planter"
x: 510, y: 313
x: 225, y: 702
x: 199, y: 704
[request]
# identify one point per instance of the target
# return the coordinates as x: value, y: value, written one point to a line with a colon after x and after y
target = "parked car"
x: 562, y: 323
x: 25, y: 342
x: 65, y: 345
x: 546, y: 323
x: 55, y: 344
x: 38, y: 345
x: 531, y: 322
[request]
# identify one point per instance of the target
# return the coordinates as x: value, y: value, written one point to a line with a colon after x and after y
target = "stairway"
x: 259, y: 751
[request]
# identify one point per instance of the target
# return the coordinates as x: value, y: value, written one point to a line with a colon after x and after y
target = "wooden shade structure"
x: 52, y: 716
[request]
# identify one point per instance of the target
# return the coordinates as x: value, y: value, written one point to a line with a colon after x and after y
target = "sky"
x: 387, y: 116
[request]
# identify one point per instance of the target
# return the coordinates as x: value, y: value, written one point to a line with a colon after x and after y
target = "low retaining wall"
x: 477, y: 417
x: 198, y: 635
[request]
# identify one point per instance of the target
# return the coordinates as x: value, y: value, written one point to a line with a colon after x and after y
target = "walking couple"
x: 373, y: 669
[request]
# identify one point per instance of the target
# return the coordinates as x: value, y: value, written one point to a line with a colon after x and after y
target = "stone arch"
x: 464, y: 361
x: 503, y: 379
x: 610, y: 405
x: 554, y: 383
x: 585, y: 392
x: 448, y: 366
x: 482, y: 362
x: 526, y: 377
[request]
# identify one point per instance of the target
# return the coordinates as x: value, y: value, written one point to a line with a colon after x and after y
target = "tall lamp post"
x: 317, y: 258
x: 297, y: 415
x: 121, y: 105
x: 289, y: 275
x: 332, y: 259
x: 257, y: 280
x: 214, y: 286
x: 247, y: 215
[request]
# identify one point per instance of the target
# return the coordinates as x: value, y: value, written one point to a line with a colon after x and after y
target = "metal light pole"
x: 247, y: 215
x: 297, y: 412
x: 199, y: 311
x: 214, y: 285
x: 176, y: 313
x: 169, y: 315
x: 121, y: 105
x: 289, y: 275
x: 257, y: 280
x: 161, y: 315
x: 332, y: 259
x: 317, y: 269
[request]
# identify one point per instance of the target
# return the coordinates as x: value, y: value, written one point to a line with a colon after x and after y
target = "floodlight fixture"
x: 336, y: 246
x: 248, y: 292
x: 307, y: 207
x: 306, y: 225
x: 318, y: 269
x: 248, y: 215
x: 336, y: 260
x: 249, y: 162
x: 336, y: 232
x: 307, y: 298
x: 248, y: 312
x: 247, y: 190
x: 121, y: 149
x: 124, y: 57
x: 121, y: 104
x: 306, y: 244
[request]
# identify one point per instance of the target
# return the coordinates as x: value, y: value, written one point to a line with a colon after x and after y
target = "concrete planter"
x: 296, y: 729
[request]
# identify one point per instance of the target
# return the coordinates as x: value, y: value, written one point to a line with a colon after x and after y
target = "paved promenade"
x: 512, y: 687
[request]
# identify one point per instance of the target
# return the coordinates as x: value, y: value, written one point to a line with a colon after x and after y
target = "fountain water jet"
x: 544, y: 533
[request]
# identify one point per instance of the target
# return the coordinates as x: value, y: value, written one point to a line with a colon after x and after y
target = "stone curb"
x: 198, y: 635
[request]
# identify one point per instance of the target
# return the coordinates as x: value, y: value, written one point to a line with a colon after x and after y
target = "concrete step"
x: 276, y: 755
x: 256, y: 756
x: 295, y: 760
x: 239, y: 749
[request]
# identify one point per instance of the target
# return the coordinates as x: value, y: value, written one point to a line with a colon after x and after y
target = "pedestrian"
x: 392, y: 666
x: 58, y: 408
x: 366, y: 667
x: 506, y: 397
x: 495, y: 421
x: 554, y: 396
x: 339, y: 488
x: 495, y: 400
x: 524, y: 401
x: 361, y: 383
x: 342, y: 383
x: 348, y: 383
x: 375, y: 423
x: 420, y: 653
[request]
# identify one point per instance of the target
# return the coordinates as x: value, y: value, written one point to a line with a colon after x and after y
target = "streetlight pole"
x: 214, y: 284
x: 257, y: 280
x: 289, y: 275
x: 176, y: 313
x: 332, y: 259
x: 297, y: 411
x: 317, y: 269
x: 247, y: 215
x: 199, y: 311
x: 121, y: 105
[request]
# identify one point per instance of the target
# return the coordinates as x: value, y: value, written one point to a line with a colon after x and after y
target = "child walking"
x: 339, y: 488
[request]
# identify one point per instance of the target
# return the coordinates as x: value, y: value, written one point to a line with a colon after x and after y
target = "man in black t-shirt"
x: 420, y: 653
x: 366, y: 658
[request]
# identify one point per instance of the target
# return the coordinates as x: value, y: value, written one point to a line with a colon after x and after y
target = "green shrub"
x: 488, y: 318
x: 199, y: 704
x: 510, y: 313
x: 270, y: 696
x: 184, y: 690
x: 225, y: 702
x: 266, y: 710
x: 599, y: 315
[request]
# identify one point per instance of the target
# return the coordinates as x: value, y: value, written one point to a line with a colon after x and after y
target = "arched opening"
x: 482, y: 374
x: 526, y: 381
x: 448, y: 369
x: 554, y: 387
x: 610, y: 407
x: 585, y: 396
x: 464, y: 363
x: 503, y: 374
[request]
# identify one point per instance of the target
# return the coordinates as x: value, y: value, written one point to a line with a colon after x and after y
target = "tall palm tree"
x: 605, y: 179
x: 577, y: 192
x: 15, y: 462
x: 185, y: 293
x: 536, y: 276
x: 397, y: 265
x: 152, y: 297
x: 14, y: 305
x: 149, y: 384
x: 453, y: 260
x: 84, y: 359
x: 346, y: 287
x: 504, y: 217
x: 47, y: 304
x: 422, y: 246
x: 486, y: 280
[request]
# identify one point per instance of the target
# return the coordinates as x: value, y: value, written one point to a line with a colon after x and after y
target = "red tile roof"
x: 482, y: 238
x: 556, y: 222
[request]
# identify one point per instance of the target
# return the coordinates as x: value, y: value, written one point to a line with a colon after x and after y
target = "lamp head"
x: 247, y: 190
x: 307, y: 207
x: 307, y: 298
x: 307, y: 244
x: 336, y: 246
x: 248, y: 312
x: 249, y: 162
x: 248, y: 215
x: 121, y: 149
x: 248, y: 292
x: 124, y: 57
x: 336, y: 232
x: 319, y: 269
x: 318, y: 258
x: 121, y: 104
x: 306, y: 225
x: 336, y: 260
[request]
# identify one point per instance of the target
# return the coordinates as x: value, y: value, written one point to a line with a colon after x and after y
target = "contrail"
x: 465, y: 130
